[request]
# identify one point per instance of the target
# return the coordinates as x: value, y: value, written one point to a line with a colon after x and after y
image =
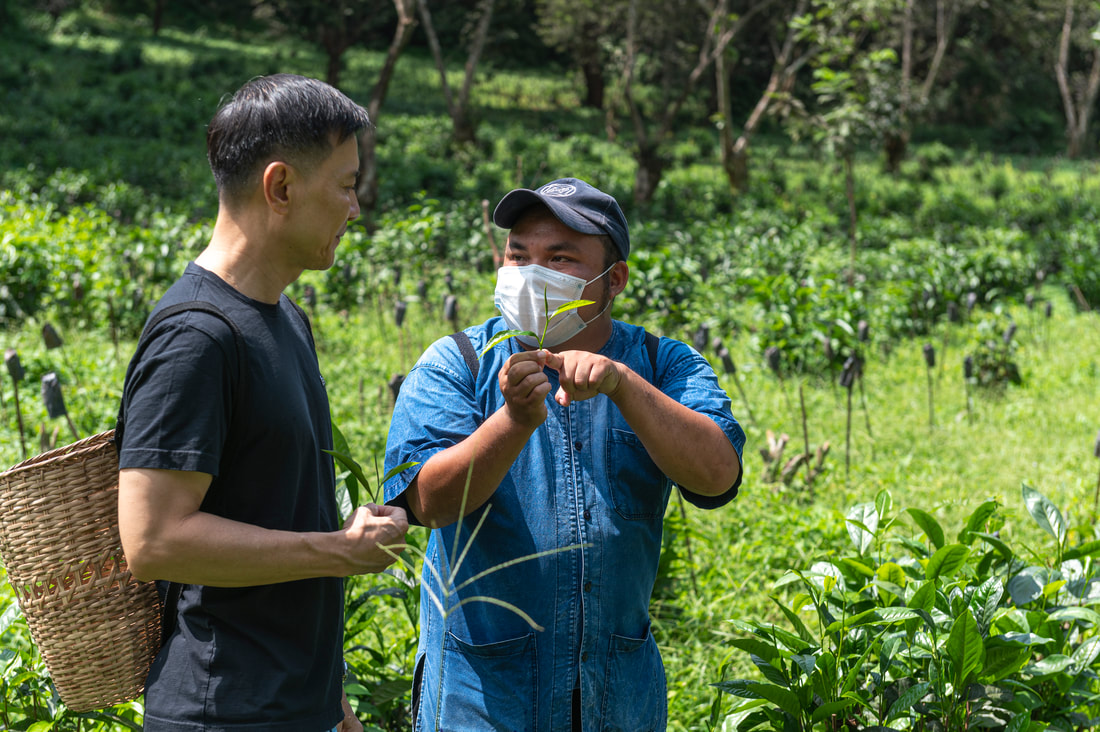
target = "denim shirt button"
x: 577, y: 445
x: 587, y: 586
x: 587, y: 515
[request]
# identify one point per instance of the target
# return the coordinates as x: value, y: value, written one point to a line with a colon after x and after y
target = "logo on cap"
x: 558, y: 190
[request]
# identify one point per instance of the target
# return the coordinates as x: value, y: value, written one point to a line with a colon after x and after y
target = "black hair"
x: 282, y: 116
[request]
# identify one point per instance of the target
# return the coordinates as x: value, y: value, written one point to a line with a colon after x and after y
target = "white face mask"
x: 520, y: 298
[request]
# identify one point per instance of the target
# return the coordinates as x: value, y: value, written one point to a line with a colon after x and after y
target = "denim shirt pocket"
x: 639, y: 490
x: 491, y: 686
x: 635, y: 692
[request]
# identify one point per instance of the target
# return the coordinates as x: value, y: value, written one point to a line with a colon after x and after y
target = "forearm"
x: 211, y: 550
x: 688, y: 447
x: 165, y: 535
x: 474, y: 467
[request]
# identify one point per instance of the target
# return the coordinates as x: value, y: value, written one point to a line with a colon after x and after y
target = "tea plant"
x: 922, y: 632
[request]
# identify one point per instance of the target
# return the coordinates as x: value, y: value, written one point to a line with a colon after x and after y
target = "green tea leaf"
x: 503, y: 336
x: 947, y: 561
x: 862, y: 521
x: 892, y: 615
x: 571, y: 305
x: 770, y: 672
x: 996, y: 543
x: 986, y: 600
x: 1085, y: 655
x: 1003, y: 661
x: 1024, y: 588
x: 1045, y: 513
x: 1052, y: 664
x: 799, y: 626
x: 782, y: 698
x: 977, y: 521
x: 1019, y: 723
x: 349, y: 464
x: 928, y: 525
x: 756, y: 647
x: 737, y: 687
x: 908, y: 698
x: 965, y: 648
x: 830, y: 709
x: 1088, y: 549
x: 1083, y: 614
x: 398, y: 469
x: 884, y: 502
x: 924, y: 598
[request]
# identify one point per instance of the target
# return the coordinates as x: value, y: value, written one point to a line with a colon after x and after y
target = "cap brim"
x: 515, y: 203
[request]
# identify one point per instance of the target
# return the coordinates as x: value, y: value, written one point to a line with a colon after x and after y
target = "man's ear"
x: 277, y: 178
x: 618, y: 276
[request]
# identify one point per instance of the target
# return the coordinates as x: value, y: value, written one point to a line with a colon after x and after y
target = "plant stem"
x: 19, y: 417
x: 744, y: 398
x: 848, y: 439
x: 931, y: 409
x: 687, y: 543
x: 805, y: 436
x: 1096, y: 499
x: 866, y: 415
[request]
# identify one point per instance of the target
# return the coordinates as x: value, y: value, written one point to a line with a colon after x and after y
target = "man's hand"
x: 583, y: 375
x: 371, y: 527
x: 525, y: 386
x: 350, y: 723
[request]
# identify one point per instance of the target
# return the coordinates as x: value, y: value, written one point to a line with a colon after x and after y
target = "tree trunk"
x: 896, y: 145
x: 158, y: 16
x: 367, y: 190
x: 457, y: 106
x: 594, y: 84
x: 1077, y: 107
x: 735, y: 154
x: 651, y: 166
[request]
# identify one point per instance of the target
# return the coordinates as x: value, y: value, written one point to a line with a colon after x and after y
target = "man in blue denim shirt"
x: 568, y: 451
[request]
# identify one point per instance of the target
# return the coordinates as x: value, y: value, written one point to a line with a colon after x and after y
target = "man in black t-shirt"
x: 224, y: 487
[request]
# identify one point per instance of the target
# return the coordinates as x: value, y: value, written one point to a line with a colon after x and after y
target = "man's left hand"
x: 583, y: 375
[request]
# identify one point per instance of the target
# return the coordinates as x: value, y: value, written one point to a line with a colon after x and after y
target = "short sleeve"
x: 436, y: 409
x: 687, y: 377
x: 177, y: 400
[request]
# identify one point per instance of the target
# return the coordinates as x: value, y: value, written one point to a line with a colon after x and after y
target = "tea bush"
x: 926, y: 631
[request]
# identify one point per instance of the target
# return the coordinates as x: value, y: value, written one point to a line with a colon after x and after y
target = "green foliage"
x: 929, y: 631
x: 993, y: 354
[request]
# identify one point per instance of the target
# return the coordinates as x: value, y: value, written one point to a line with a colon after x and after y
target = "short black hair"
x: 282, y: 116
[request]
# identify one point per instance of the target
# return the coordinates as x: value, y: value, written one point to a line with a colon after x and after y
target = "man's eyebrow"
x: 561, y: 246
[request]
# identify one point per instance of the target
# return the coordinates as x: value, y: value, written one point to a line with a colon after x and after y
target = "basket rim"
x: 65, y: 451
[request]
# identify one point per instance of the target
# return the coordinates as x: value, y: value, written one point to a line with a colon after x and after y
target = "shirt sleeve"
x: 688, y: 378
x: 436, y: 408
x: 177, y: 399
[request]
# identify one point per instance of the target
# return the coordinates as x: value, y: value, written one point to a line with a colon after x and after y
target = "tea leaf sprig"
x: 507, y: 334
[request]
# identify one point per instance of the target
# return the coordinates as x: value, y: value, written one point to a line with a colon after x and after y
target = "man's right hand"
x: 525, y: 386
x: 371, y: 527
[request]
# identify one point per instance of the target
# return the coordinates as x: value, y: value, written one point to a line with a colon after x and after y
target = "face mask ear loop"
x: 601, y: 274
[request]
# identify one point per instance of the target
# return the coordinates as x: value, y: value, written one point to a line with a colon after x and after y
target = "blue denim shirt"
x: 583, y: 480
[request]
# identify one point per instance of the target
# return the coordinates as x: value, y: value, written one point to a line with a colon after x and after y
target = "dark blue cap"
x: 576, y: 204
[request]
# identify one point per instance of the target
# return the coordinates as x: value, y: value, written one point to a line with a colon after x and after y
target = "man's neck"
x: 240, y: 260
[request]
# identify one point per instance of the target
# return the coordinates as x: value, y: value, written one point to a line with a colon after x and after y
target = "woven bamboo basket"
x: 96, y: 626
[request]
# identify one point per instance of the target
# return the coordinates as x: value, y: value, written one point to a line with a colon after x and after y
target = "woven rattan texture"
x: 97, y: 627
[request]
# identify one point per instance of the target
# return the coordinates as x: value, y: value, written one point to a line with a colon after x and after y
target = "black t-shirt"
x: 256, y: 658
